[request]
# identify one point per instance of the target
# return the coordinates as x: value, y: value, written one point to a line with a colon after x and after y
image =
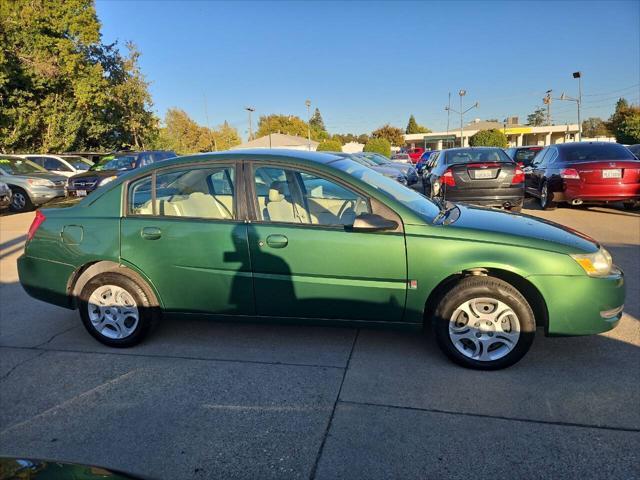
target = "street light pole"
x: 308, y: 104
x: 250, y: 110
x: 462, y: 93
x: 448, y: 115
x: 578, y: 75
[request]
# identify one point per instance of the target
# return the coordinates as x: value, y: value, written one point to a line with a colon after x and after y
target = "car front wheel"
x: 20, y: 201
x: 115, y: 310
x: 484, y: 323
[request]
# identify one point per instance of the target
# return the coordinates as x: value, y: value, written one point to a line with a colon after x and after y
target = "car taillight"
x: 570, y: 173
x: 518, y: 177
x: 447, y: 179
x: 37, y: 221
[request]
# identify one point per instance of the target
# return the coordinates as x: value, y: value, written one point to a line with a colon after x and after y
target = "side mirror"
x: 370, y: 222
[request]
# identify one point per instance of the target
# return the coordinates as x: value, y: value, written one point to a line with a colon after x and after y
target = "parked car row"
x: 37, y: 179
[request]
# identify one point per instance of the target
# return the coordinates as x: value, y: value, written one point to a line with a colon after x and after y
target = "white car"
x: 66, y: 165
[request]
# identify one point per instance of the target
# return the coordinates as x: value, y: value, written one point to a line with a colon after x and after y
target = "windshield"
x: 79, y: 163
x: 589, y: 153
x: 408, y: 197
x: 111, y: 162
x: 13, y: 166
x: 472, y: 155
x: 377, y: 159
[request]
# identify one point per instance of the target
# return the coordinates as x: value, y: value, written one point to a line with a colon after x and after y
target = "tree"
x: 489, y: 138
x: 537, y: 118
x: 594, y: 127
x: 413, y: 127
x: 378, y: 145
x: 61, y: 88
x: 329, y: 146
x: 394, y: 135
x: 183, y: 135
x: 363, y: 138
x: 316, y: 121
x: 286, y: 124
x: 625, y: 122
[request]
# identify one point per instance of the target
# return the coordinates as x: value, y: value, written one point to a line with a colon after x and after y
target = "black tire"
x: 20, y: 201
x: 631, y: 205
x: 484, y: 287
x: 546, y: 201
x: 147, y: 313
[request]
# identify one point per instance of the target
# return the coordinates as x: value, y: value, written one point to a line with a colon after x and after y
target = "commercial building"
x: 517, y: 135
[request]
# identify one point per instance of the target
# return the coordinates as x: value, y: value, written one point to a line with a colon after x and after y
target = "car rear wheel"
x: 546, y: 197
x: 631, y: 205
x: 115, y: 310
x: 20, y: 201
x: 484, y: 323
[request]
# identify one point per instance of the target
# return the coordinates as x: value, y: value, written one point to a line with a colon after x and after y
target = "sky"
x: 364, y: 64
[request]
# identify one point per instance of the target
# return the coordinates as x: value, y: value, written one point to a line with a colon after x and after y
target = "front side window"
x: 55, y: 164
x: 191, y: 193
x: 290, y: 196
x: 19, y: 166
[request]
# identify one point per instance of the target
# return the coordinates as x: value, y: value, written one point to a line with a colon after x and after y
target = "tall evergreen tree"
x: 316, y: 121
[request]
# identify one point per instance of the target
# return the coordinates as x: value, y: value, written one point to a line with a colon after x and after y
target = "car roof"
x: 260, y: 154
x: 562, y: 146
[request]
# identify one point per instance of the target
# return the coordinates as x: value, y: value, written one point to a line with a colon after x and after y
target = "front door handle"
x: 151, y: 233
x: 277, y: 241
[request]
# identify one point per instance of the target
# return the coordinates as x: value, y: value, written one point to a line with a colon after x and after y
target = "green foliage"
x: 329, y: 146
x: 624, y: 124
x: 489, y: 138
x: 394, y: 135
x: 537, y: 118
x: 316, y: 121
x: 183, y: 135
x: 363, y: 138
x: 286, y: 124
x: 413, y: 127
x: 378, y: 145
x: 61, y: 88
x: 594, y: 127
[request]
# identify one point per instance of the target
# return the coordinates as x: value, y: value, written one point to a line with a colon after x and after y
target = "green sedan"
x: 268, y: 235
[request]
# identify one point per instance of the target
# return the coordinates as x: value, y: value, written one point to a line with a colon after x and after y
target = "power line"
x: 612, y: 91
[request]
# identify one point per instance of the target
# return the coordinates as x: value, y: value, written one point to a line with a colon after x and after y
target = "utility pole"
x: 308, y: 104
x: 547, y: 101
x: 212, y: 140
x: 250, y: 110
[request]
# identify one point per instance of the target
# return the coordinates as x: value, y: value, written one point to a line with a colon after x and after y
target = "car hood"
x: 100, y: 173
x: 519, y: 229
x: 45, y: 175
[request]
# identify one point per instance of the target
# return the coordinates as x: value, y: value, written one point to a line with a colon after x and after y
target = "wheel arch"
x: 89, y: 270
x: 525, y: 287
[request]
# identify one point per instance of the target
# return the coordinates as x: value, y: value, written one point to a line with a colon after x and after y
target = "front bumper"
x: 40, y: 195
x: 581, y: 305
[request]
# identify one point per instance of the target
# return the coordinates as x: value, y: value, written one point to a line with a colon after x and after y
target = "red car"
x: 584, y: 172
x: 415, y: 154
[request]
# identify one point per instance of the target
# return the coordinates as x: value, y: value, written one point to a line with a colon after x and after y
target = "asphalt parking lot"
x: 219, y: 400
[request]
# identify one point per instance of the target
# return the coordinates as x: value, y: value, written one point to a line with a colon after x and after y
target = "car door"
x: 535, y: 172
x: 186, y: 231
x: 306, y: 262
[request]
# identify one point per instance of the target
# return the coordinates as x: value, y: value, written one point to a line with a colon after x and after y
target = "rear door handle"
x: 151, y: 233
x: 277, y: 241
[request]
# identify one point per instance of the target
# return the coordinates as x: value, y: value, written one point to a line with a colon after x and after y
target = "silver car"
x: 31, y: 185
x: 5, y: 195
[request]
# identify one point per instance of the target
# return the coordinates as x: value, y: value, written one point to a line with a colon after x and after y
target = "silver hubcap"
x: 484, y: 329
x: 18, y: 201
x: 543, y: 195
x: 113, y: 311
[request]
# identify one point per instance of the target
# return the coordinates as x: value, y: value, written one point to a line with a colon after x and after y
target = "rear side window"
x: 207, y: 193
x: 595, y: 152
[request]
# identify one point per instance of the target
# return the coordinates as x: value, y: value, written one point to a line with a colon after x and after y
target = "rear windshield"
x: 526, y: 154
x: 472, y: 155
x: 589, y: 153
x: 14, y: 166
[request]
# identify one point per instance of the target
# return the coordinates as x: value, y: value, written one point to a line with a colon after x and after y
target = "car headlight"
x: 106, y: 180
x: 596, y: 264
x: 40, y: 182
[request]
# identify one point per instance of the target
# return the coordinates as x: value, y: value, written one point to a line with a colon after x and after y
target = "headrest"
x: 276, y: 192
